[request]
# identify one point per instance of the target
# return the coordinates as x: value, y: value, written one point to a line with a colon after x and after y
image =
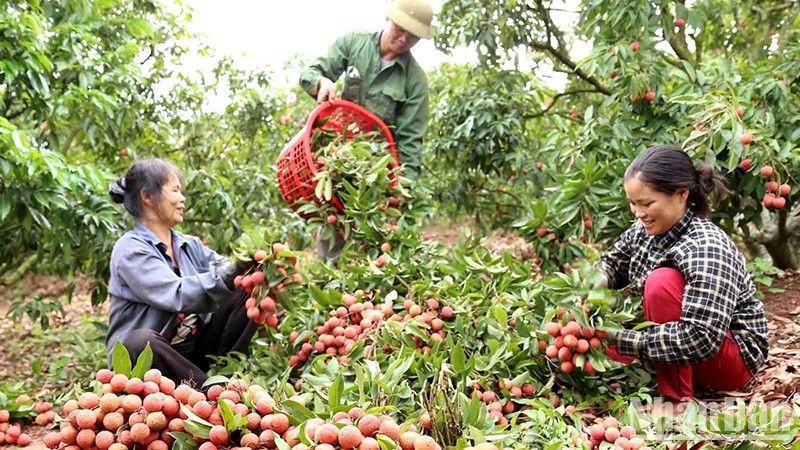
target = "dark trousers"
x: 229, y: 331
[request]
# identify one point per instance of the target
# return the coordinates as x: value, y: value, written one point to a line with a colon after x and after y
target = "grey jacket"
x: 146, y: 293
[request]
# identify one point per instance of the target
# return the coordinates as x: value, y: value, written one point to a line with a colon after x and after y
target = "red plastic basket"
x: 296, y: 165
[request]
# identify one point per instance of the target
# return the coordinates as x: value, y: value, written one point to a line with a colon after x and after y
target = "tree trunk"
x: 782, y: 253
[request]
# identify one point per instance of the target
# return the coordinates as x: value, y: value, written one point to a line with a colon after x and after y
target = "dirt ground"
x: 778, y: 380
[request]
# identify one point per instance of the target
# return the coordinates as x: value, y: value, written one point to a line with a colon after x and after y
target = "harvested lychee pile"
x: 11, y: 432
x: 501, y: 403
x: 608, y: 430
x: 152, y: 413
x: 359, y: 319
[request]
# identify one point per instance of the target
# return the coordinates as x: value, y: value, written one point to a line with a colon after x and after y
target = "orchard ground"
x: 53, y: 360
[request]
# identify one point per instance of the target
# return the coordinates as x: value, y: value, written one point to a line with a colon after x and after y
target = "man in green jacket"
x: 381, y: 75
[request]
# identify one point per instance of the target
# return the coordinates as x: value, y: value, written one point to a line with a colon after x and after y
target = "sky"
x: 261, y: 32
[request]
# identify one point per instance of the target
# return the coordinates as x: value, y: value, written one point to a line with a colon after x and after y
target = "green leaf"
x: 216, y: 379
x: 335, y: 393
x: 196, y: 429
x: 192, y: 417
x: 183, y: 441
x: 227, y: 416
x: 143, y: 363
x: 121, y: 360
x: 297, y: 410
x: 281, y: 444
x: 458, y: 358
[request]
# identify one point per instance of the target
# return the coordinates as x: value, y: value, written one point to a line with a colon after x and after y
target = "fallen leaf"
x: 782, y: 319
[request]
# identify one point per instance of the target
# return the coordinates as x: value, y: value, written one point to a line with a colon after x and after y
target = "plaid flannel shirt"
x: 719, y: 295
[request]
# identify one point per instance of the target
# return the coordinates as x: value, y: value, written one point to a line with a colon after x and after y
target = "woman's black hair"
x: 147, y: 175
x: 669, y: 169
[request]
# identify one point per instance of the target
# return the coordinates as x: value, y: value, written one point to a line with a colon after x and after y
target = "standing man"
x: 381, y: 75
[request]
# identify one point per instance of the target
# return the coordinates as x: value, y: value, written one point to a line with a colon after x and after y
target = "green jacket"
x: 398, y: 93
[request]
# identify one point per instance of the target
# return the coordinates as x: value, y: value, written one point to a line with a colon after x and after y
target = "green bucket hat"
x: 412, y: 15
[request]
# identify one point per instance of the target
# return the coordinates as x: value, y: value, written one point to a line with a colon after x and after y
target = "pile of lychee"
x: 569, y: 342
x: 499, y: 406
x: 776, y: 194
x: 266, y: 281
x: 142, y: 413
x: 356, y: 430
x: 608, y: 430
x: 360, y: 319
x: 11, y: 432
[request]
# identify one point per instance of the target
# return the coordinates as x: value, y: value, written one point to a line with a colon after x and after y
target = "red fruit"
x: 746, y: 163
x: 327, y: 434
x: 564, y: 354
x: 582, y: 346
x: 542, y: 232
x: 746, y: 138
x: 767, y: 171
x: 610, y: 422
x: 257, y: 278
x: 779, y: 202
x: 597, y: 431
x: 388, y: 428
x: 680, y: 22
x: 588, y: 224
x: 552, y: 351
x: 627, y: 431
x: 370, y: 444
x: 588, y: 367
x: 539, y: 164
x: 613, y: 74
x: 278, y: 248
x: 785, y: 189
x: 570, y: 342
x: 424, y: 443
x: 553, y: 329
x: 772, y: 186
x: 385, y: 247
x: 407, y: 440
x: 769, y: 200
x: 104, y: 375
x: 52, y: 439
x: 259, y: 255
x: 447, y: 312
x: 369, y: 424
x: 622, y: 443
x: 650, y: 96
x: 567, y: 367
x: 635, y: 46
x: 740, y: 111
x: 331, y: 219
x: 348, y: 437
x: 612, y: 434
x: 123, y: 152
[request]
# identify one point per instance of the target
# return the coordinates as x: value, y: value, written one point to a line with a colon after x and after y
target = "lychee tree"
x: 717, y: 78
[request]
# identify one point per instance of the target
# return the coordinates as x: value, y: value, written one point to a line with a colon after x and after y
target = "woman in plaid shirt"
x: 710, y: 329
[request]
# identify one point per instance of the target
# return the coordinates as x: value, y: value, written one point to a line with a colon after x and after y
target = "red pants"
x: 725, y: 371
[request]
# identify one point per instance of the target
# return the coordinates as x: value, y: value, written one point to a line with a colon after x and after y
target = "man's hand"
x: 326, y: 91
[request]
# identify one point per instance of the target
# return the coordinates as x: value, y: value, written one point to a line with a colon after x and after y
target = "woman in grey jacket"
x: 167, y: 288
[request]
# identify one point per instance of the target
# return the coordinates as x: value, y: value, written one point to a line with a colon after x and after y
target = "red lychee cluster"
x: 356, y: 430
x: 270, y: 278
x: 360, y: 319
x: 609, y: 430
x: 11, y: 432
x: 569, y: 342
x: 502, y: 401
x: 776, y: 195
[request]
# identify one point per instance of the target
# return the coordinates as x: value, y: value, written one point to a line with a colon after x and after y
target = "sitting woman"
x: 710, y: 329
x: 168, y: 289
